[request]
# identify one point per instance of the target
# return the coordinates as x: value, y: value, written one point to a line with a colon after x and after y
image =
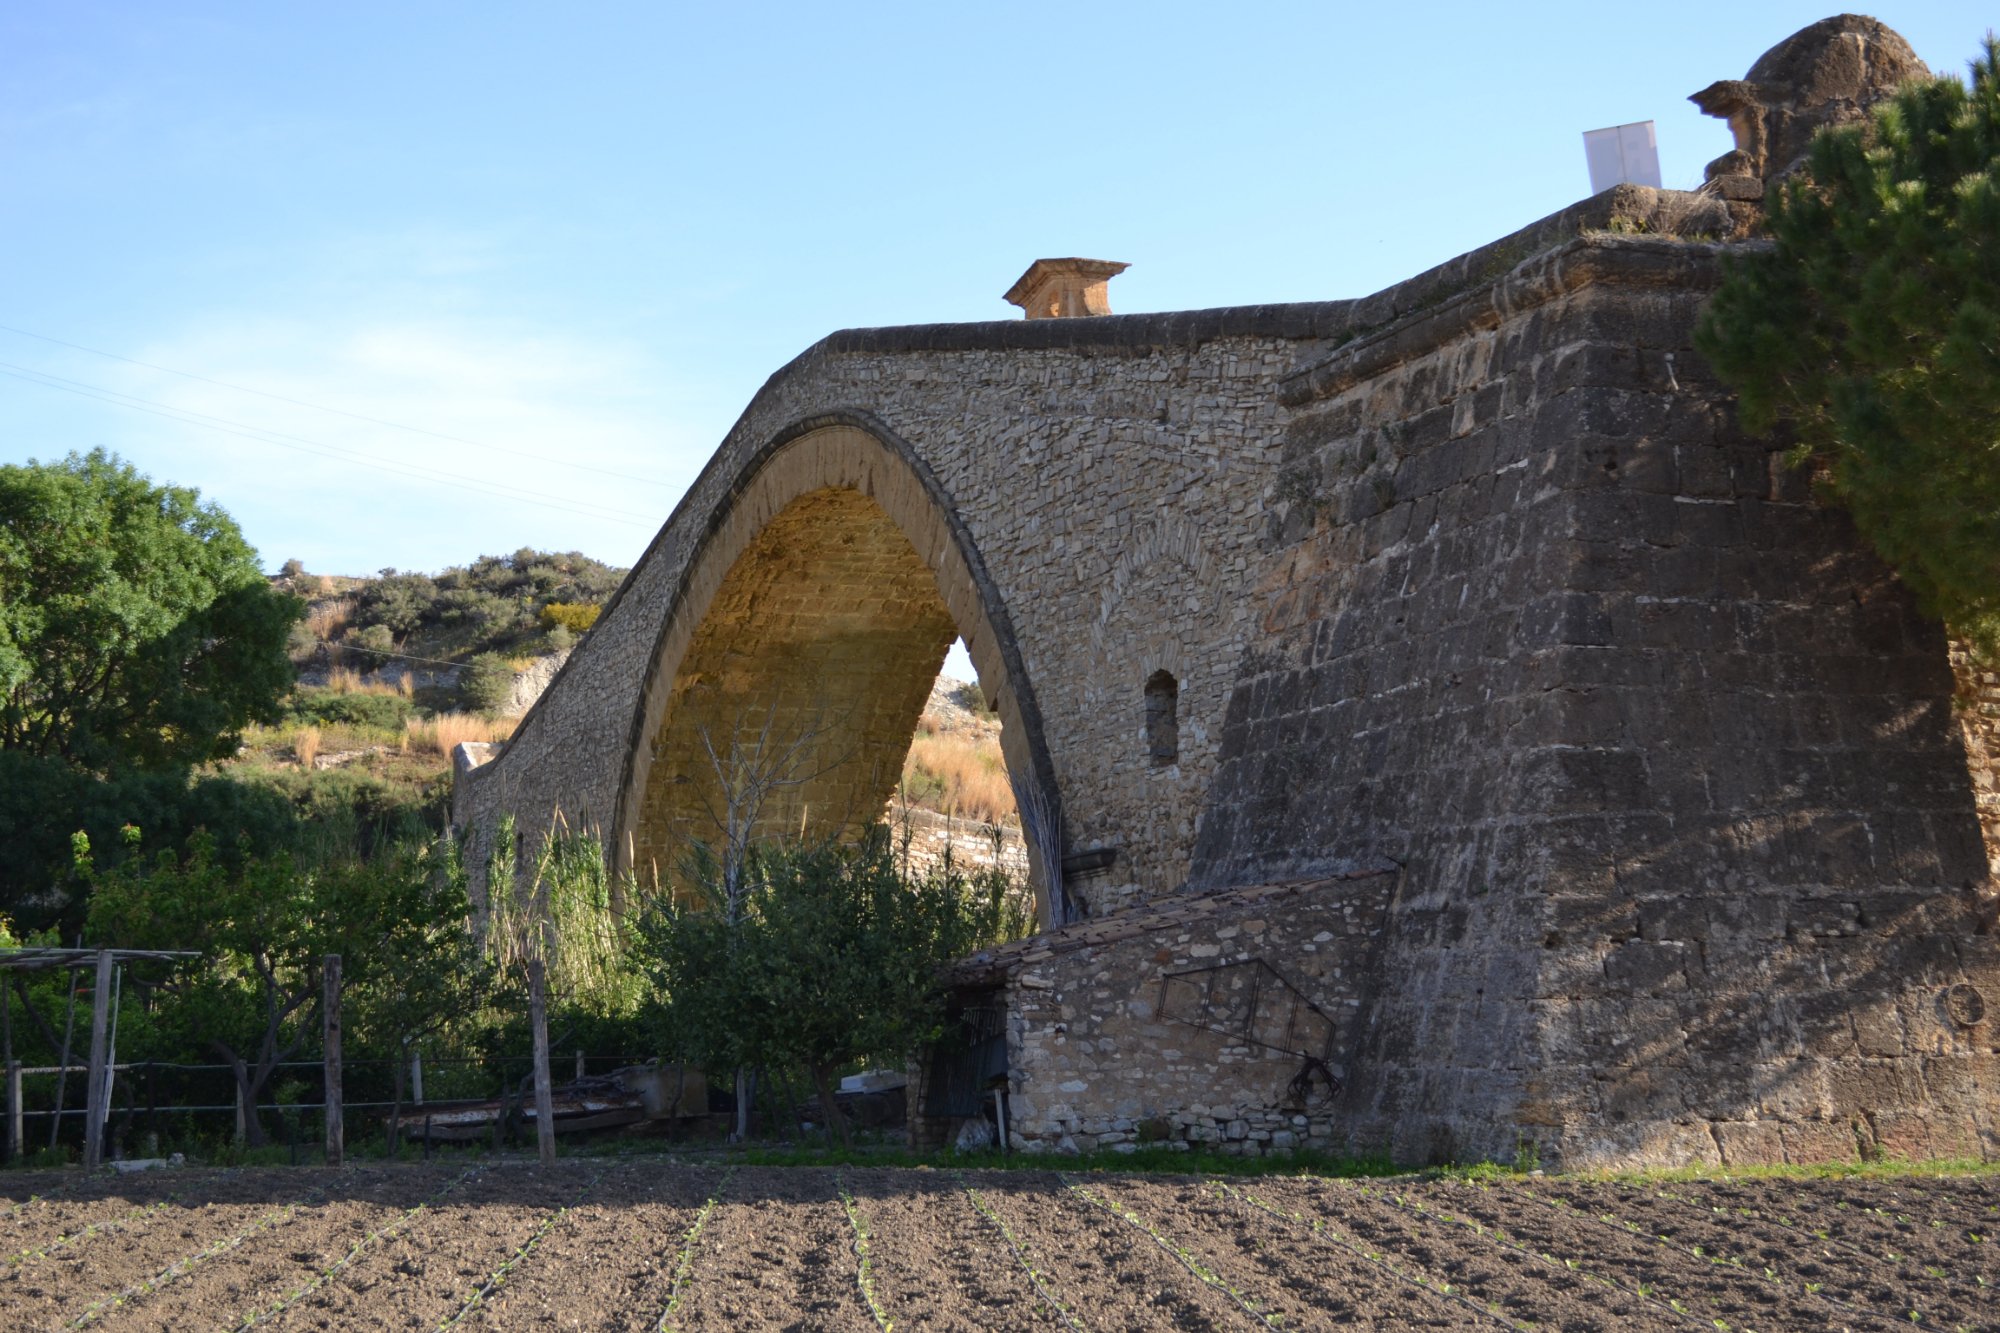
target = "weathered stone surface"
x: 1826, y: 74
x: 1477, y: 577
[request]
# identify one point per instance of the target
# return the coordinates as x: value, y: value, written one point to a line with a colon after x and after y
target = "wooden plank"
x: 336, y: 1126
x: 538, y: 1019
x: 98, y: 1087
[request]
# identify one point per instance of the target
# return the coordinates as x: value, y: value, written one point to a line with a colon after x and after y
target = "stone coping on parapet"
x: 991, y: 965
x: 1632, y: 261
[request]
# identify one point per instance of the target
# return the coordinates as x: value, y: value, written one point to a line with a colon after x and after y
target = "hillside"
x: 530, y: 604
x: 397, y: 669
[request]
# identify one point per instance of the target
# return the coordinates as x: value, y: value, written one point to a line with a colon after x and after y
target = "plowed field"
x: 651, y: 1245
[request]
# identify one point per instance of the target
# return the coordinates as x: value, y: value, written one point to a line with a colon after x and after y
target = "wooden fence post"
x: 94, y: 1101
x: 336, y: 1129
x: 538, y: 1019
x: 17, y: 1139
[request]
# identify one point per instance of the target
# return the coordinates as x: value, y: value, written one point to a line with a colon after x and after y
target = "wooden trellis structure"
x: 109, y: 965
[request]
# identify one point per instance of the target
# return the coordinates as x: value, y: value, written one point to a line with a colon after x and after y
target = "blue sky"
x: 585, y: 233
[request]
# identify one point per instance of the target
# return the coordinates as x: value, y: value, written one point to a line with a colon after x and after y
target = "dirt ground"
x: 646, y: 1244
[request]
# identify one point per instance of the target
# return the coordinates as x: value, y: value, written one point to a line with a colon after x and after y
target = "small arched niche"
x: 1163, y: 724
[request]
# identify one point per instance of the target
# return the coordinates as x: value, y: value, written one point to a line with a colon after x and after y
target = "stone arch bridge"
x: 1447, y: 653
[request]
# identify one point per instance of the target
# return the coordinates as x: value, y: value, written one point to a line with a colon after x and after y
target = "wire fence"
x: 158, y: 1106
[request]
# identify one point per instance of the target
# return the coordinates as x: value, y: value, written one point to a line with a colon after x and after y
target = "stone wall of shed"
x: 1095, y: 1064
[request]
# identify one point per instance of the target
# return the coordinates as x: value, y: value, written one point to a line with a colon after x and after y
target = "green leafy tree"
x: 135, y: 625
x: 837, y: 956
x: 422, y: 979
x: 1871, y: 325
x: 262, y: 928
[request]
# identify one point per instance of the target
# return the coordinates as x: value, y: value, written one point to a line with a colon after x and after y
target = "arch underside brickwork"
x: 796, y: 661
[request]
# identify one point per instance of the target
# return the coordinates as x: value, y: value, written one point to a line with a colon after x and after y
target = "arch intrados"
x: 842, y: 452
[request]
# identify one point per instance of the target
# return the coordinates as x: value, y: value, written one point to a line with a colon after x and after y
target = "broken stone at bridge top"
x: 1827, y: 74
x: 1065, y: 288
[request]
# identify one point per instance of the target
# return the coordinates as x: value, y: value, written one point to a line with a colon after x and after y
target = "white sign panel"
x: 1622, y: 155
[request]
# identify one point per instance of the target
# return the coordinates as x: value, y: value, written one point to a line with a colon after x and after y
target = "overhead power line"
x: 299, y: 444
x: 382, y: 652
x: 341, y: 412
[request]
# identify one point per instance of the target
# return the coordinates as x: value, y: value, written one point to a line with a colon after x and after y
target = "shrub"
x: 486, y: 683
x: 959, y: 774
x: 576, y: 617
x: 374, y: 638
x: 385, y: 712
x: 327, y: 619
x: 835, y: 956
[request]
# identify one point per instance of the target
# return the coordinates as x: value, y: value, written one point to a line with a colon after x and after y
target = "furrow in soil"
x: 1920, y: 1257
x: 609, y: 1264
x: 1117, y: 1275
x: 66, y: 1282
x: 1979, y: 1192
x: 1898, y: 1207
x: 1841, y: 1285
x: 1709, y: 1289
x: 937, y: 1264
x: 1302, y: 1276
x: 424, y: 1274
x: 239, y: 1283
x: 1517, y: 1283
x: 1668, y: 1275
x: 28, y: 1189
x: 77, y: 1220
x: 776, y: 1254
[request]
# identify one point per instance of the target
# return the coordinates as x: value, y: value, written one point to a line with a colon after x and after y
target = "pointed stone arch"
x: 824, y: 592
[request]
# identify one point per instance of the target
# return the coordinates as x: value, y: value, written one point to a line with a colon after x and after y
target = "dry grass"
x: 346, y: 680
x: 445, y: 732
x: 959, y: 774
x: 305, y: 745
x: 327, y: 619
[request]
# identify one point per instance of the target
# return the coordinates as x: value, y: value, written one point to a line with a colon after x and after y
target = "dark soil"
x: 604, y: 1245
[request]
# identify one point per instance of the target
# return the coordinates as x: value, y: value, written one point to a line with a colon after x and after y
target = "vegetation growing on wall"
x: 1871, y: 328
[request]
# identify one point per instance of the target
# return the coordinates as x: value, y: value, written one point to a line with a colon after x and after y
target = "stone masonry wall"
x: 1978, y: 707
x: 1689, y: 842
x: 1095, y: 1063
